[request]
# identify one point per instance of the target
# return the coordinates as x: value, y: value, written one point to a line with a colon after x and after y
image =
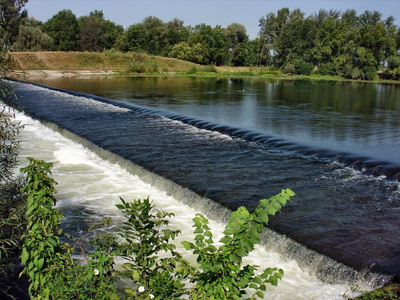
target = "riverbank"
x: 28, y: 65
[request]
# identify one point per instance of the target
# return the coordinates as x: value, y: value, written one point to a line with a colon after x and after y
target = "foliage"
x: 146, y: 236
x: 48, y: 262
x: 9, y: 145
x: 63, y: 28
x: 12, y: 227
x: 327, y: 69
x: 32, y: 38
x: 9, y: 129
x: 221, y: 274
x: 355, y: 46
x: 97, y: 33
x: 390, y: 292
x: 143, y: 66
x: 151, y: 261
x: 302, y: 67
x: 11, y: 12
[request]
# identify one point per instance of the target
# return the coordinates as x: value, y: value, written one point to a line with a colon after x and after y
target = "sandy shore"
x: 57, y: 73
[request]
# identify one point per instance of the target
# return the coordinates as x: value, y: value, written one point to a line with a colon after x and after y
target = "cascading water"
x: 338, y: 210
x: 89, y: 187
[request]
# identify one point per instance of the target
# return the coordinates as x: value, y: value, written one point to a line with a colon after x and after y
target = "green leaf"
x: 253, y: 286
x: 260, y: 294
x: 228, y: 231
x: 40, y: 263
x: 24, y: 256
x: 199, y: 237
x: 290, y: 192
x: 256, y: 280
x: 187, y: 245
x: 208, y: 234
x: 226, y: 240
x: 241, y: 252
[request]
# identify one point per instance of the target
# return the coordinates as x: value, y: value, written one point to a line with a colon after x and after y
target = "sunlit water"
x: 359, y: 118
x: 89, y: 188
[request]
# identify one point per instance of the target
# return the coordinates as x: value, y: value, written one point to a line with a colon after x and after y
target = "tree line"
x: 357, y: 46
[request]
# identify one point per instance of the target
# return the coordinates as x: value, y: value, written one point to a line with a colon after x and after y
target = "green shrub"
x: 328, y: 69
x: 289, y: 69
x: 302, y: 67
x: 192, y: 70
x: 145, y: 236
x: 136, y: 67
x: 210, y: 69
x: 220, y: 274
x: 12, y: 228
x: 52, y: 272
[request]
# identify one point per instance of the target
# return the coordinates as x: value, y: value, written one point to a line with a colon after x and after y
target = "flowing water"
x: 89, y: 187
x: 234, y: 145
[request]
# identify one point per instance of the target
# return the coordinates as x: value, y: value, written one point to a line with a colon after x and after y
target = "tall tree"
x: 213, y: 41
x: 97, y: 33
x: 11, y: 14
x: 237, y: 43
x: 176, y: 33
x: 31, y: 37
x: 63, y: 28
x: 155, y: 35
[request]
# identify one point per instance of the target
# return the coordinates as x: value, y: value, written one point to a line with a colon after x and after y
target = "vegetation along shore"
x: 327, y: 44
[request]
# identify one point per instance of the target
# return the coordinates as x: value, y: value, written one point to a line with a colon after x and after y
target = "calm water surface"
x: 360, y: 118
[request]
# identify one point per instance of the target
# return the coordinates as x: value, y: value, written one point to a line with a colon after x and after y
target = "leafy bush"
x: 12, y: 228
x: 210, y: 69
x: 328, y: 69
x: 145, y: 236
x: 221, y: 274
x: 302, y: 67
x: 52, y: 272
x: 136, y: 67
x: 289, y: 69
x: 192, y: 70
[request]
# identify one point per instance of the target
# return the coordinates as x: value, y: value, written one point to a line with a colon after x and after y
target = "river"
x: 237, y: 141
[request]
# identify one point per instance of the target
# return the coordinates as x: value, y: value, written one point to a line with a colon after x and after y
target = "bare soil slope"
x: 108, y: 61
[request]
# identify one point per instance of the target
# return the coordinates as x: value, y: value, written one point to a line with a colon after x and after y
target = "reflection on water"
x: 360, y: 118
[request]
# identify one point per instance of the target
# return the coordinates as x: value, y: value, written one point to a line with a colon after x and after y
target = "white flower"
x: 96, y: 272
x: 141, y: 289
x: 151, y: 296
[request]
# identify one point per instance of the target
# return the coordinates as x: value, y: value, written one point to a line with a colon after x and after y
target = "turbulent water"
x: 89, y: 187
x: 343, y: 213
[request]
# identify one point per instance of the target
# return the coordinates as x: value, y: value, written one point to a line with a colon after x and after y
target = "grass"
x: 134, y: 63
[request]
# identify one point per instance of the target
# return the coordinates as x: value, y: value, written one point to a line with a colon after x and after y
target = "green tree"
x: 11, y: 12
x: 214, y: 44
x: 31, y: 37
x: 329, y: 38
x: 270, y: 28
x: 134, y: 39
x: 176, y: 33
x: 63, y: 28
x: 97, y: 33
x: 296, y: 39
x: 238, y: 44
x: 155, y: 35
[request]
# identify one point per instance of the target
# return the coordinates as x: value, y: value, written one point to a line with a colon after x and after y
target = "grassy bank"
x: 69, y: 64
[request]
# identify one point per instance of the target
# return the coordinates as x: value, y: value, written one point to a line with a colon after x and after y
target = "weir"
x: 336, y: 275
x: 364, y: 164
x: 198, y: 165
